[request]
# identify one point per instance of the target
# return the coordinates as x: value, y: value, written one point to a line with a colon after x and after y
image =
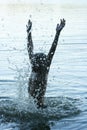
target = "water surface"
x: 66, y: 93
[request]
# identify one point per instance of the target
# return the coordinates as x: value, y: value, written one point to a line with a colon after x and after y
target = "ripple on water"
x: 25, y: 109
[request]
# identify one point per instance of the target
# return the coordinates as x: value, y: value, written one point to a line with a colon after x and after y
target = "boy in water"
x: 40, y: 65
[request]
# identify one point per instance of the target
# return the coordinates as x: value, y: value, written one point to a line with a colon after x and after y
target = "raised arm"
x: 29, y: 39
x: 55, y: 42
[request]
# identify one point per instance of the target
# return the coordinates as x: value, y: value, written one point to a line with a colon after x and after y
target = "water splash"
x: 58, y: 107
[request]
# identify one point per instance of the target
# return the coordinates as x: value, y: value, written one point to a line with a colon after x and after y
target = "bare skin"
x: 40, y: 65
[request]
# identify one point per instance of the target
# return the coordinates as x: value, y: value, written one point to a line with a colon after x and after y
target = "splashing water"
x: 24, y: 108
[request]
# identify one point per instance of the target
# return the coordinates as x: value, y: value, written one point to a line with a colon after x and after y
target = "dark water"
x: 66, y: 94
x: 22, y: 114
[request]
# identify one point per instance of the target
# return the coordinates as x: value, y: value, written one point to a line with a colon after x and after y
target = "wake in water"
x: 58, y: 107
x: 22, y: 109
x: 26, y: 116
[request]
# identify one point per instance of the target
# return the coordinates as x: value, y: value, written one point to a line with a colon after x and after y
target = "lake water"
x: 66, y: 93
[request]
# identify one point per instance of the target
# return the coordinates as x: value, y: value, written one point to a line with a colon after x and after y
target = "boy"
x: 40, y: 64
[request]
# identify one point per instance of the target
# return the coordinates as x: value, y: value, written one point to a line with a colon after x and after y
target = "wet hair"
x: 39, y: 63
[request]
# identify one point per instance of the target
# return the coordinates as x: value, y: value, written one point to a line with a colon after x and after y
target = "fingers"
x: 61, y: 25
x: 29, y: 26
x: 62, y: 21
x: 57, y: 25
x: 29, y: 22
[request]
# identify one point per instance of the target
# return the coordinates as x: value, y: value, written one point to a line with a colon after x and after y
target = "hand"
x: 29, y: 26
x: 61, y: 25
